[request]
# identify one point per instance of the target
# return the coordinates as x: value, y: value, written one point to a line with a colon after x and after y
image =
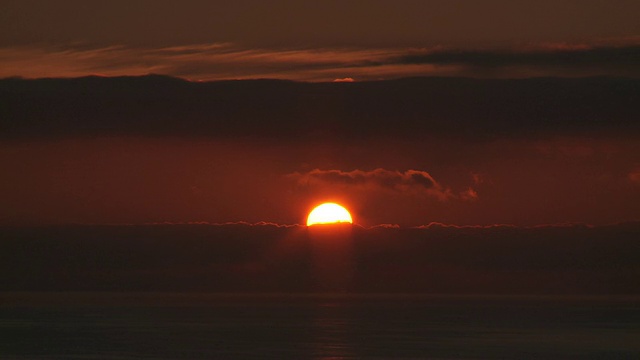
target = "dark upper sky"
x: 295, y: 23
x: 309, y: 40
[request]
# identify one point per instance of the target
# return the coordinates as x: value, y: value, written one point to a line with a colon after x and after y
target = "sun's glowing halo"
x: 328, y: 213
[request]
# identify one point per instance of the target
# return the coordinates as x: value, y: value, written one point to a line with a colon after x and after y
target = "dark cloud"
x: 228, y: 223
x: 624, y: 59
x: 421, y: 178
x: 379, y: 177
x: 410, y: 181
x: 414, y: 108
x: 568, y: 259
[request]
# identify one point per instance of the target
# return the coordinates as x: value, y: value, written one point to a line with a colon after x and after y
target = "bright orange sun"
x: 329, y: 213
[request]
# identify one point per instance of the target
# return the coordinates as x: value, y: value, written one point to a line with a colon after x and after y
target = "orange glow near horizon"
x: 329, y: 213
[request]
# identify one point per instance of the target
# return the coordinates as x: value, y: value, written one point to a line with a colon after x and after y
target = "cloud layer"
x: 410, y: 182
x: 401, y: 109
x: 228, y: 61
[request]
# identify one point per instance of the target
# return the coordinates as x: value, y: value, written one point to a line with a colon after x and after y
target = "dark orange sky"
x: 519, y: 112
x: 144, y: 181
x: 482, y: 147
x: 407, y: 152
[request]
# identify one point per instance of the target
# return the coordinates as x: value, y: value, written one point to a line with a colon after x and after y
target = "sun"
x: 328, y: 213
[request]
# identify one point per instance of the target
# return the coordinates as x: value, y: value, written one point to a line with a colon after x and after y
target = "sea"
x: 125, y: 325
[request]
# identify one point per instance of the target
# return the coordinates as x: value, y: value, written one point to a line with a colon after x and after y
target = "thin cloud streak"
x: 207, y: 223
x: 428, y: 226
x: 197, y: 62
x: 222, y: 61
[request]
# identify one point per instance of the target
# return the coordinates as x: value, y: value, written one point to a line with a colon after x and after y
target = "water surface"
x: 208, y: 326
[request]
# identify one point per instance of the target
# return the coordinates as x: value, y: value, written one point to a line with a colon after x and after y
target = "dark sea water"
x: 206, y: 326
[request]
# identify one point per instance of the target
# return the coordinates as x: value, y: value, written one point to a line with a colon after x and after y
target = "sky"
x: 480, y: 146
x: 519, y: 113
x: 319, y: 41
x: 407, y: 152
